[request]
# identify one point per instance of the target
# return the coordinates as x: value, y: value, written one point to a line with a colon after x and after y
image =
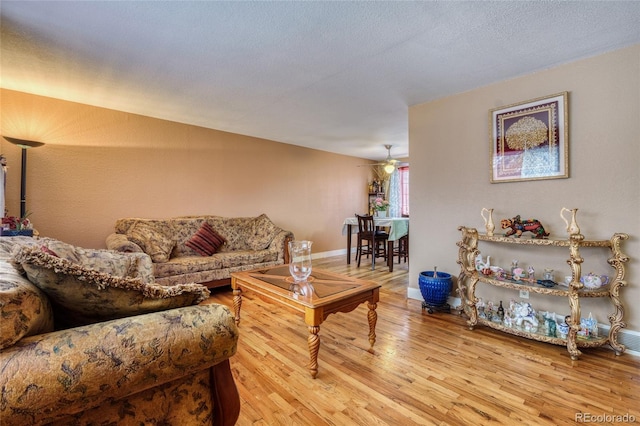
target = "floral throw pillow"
x: 81, y: 295
x: 262, y: 233
x: 133, y: 265
x: 155, y: 243
x: 206, y: 241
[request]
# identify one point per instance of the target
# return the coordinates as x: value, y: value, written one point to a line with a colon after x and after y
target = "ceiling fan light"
x: 389, y: 168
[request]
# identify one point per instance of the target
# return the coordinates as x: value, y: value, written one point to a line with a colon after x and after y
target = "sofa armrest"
x: 281, y: 244
x: 55, y: 375
x: 120, y: 242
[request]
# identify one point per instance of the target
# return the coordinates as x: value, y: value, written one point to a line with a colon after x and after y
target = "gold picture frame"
x: 530, y: 140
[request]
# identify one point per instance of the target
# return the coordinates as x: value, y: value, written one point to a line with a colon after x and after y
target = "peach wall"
x: 449, y: 149
x: 99, y: 165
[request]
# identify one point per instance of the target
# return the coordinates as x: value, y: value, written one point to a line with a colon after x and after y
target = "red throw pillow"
x: 206, y: 241
x: 47, y: 250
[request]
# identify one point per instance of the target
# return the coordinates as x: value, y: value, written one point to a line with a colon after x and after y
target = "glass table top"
x: 323, y: 284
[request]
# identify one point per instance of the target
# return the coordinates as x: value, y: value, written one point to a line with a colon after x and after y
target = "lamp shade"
x: 23, y: 143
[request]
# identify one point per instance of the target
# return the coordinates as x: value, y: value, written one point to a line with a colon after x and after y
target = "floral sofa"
x: 202, y: 249
x: 128, y: 352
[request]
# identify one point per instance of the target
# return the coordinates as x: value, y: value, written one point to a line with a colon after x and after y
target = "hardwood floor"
x: 427, y: 369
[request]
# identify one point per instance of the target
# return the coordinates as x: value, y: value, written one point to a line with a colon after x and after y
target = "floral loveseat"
x: 166, y: 365
x: 202, y: 249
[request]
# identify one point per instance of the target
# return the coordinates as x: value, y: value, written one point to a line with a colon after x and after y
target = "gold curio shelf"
x: 469, y: 278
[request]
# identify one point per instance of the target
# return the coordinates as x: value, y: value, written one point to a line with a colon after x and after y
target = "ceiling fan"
x: 389, y: 164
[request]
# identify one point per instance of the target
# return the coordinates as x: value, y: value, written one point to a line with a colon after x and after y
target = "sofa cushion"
x: 263, y: 231
x: 187, y: 265
x: 236, y: 230
x: 154, y: 241
x: 81, y: 295
x: 233, y: 259
x: 206, y: 241
x: 24, y: 309
x: 7, y: 244
x: 120, y: 242
x: 131, y: 265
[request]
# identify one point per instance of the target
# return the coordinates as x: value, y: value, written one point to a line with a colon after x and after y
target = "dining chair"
x: 402, y: 248
x: 371, y: 241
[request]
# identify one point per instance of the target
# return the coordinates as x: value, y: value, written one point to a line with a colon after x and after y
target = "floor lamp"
x: 24, y: 144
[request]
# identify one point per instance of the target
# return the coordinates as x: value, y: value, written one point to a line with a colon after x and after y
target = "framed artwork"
x: 530, y: 140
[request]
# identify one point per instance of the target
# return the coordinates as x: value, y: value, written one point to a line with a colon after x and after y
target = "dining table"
x: 398, y: 228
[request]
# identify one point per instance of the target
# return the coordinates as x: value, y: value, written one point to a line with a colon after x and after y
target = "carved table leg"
x: 314, y: 348
x: 237, y: 303
x: 372, y: 316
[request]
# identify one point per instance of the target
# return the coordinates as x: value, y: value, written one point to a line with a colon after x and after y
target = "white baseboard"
x: 629, y: 338
x: 322, y: 255
x: 414, y: 293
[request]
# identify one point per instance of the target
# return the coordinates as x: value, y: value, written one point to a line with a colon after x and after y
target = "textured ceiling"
x: 336, y: 76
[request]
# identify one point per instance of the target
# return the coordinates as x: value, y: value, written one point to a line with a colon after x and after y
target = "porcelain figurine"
x: 507, y: 321
x: 589, y: 326
x: 551, y: 327
x: 563, y: 329
x: 498, y: 272
x: 593, y: 281
x: 480, y: 307
x: 563, y: 325
x: 532, y: 273
x: 488, y: 221
x: 519, y: 274
x: 481, y: 264
x: 525, y: 315
x: 572, y: 227
x: 516, y: 226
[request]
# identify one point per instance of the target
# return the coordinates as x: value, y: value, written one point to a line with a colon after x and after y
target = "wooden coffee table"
x: 326, y: 293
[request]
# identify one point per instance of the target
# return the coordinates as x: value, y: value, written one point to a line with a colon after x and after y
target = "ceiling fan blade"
x: 388, y: 161
x: 372, y: 164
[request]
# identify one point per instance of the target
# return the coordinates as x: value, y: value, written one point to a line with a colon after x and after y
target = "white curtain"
x: 394, y: 196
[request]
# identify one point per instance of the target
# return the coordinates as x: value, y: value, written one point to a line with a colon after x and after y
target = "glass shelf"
x: 557, y: 290
x: 539, y: 335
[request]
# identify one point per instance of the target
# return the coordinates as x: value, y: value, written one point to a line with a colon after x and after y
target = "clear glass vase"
x: 300, y: 264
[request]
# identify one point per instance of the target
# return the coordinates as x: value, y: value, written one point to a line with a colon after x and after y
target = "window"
x: 403, y: 173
